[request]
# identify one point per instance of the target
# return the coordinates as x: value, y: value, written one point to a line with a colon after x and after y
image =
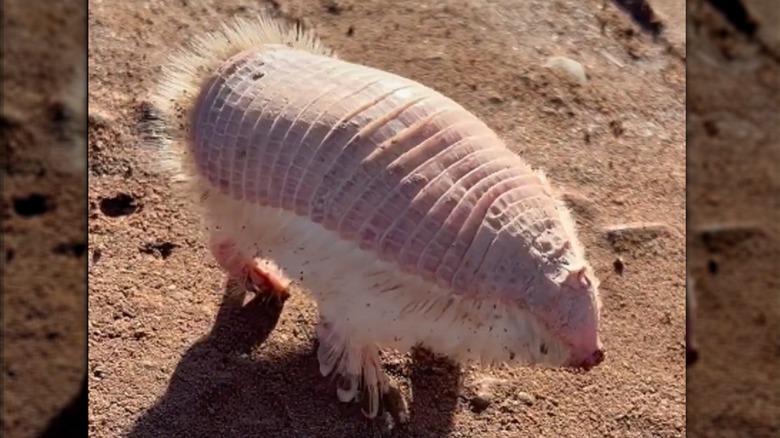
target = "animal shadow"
x: 71, y: 421
x: 217, y: 390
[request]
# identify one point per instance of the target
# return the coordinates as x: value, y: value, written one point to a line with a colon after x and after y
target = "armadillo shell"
x: 383, y: 161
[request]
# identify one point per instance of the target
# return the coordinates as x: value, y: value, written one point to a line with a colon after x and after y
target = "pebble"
x: 574, y: 69
x: 483, y: 394
x: 481, y: 401
x: 525, y: 398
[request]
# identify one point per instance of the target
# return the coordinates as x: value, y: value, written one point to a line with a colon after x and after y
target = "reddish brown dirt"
x: 169, y: 358
x: 734, y: 180
x: 44, y: 225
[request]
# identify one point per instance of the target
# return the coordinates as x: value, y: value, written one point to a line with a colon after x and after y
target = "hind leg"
x: 256, y: 275
x: 357, y: 368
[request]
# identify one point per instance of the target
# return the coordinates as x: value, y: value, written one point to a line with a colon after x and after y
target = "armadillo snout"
x: 580, y: 304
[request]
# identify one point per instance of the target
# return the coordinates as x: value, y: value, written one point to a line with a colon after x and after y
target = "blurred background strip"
x: 44, y: 233
x: 734, y: 216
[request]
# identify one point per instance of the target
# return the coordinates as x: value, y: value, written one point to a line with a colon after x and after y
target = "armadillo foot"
x: 259, y: 276
x: 357, y: 369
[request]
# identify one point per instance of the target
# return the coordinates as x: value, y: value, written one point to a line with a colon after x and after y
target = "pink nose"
x: 594, y: 359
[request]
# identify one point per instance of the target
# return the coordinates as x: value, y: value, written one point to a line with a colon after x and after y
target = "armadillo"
x: 406, y: 218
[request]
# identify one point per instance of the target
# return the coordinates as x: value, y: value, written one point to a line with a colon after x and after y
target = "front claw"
x: 248, y: 275
x: 347, y: 388
x: 263, y: 277
x: 359, y: 375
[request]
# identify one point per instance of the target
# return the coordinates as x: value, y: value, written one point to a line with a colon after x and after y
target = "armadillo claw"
x: 263, y: 277
x: 347, y: 388
x: 386, y: 399
x: 359, y: 374
x: 258, y: 276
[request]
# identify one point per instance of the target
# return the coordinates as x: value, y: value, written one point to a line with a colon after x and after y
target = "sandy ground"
x: 169, y: 358
x: 44, y: 222
x: 734, y: 221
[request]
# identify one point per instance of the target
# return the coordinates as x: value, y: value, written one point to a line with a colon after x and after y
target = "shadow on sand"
x: 217, y: 390
x: 71, y: 421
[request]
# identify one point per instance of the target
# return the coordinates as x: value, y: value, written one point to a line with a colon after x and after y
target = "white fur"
x: 347, y: 283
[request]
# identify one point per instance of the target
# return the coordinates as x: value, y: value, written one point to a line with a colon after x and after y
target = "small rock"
x: 574, y: 69
x: 128, y: 311
x: 483, y: 394
x: 525, y: 398
x: 495, y: 99
x: 481, y: 401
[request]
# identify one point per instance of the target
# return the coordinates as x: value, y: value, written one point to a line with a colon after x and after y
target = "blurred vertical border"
x: 44, y: 186
x: 733, y: 192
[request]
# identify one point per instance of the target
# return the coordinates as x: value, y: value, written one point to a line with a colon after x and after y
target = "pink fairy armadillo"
x: 405, y: 217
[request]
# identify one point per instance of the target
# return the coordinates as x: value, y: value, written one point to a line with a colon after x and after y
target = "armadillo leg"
x: 256, y: 275
x: 357, y: 368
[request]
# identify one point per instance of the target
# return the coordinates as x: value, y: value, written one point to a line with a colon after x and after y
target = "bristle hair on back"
x: 186, y: 71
